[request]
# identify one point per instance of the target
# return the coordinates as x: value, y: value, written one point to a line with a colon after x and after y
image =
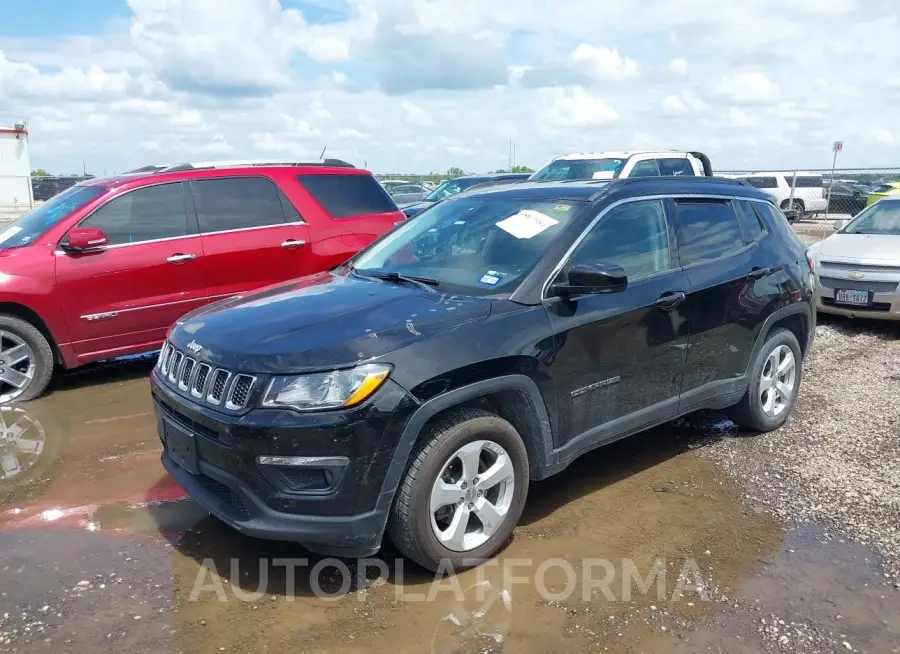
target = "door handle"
x: 758, y: 273
x: 181, y: 258
x: 670, y: 300
x: 291, y: 243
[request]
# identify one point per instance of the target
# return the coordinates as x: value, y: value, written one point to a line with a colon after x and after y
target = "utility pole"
x: 836, y: 147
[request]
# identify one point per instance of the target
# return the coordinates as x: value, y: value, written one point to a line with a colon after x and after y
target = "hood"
x: 319, y: 322
x: 860, y: 248
x: 414, y: 208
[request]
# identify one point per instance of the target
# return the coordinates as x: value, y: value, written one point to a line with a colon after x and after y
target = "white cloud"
x: 682, y: 103
x: 604, y: 63
x: 739, y: 118
x: 678, y: 66
x: 749, y: 87
x: 386, y: 81
x: 575, y: 107
x: 883, y: 136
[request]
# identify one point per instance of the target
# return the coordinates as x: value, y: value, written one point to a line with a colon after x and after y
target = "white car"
x: 617, y: 165
x: 858, y: 267
x: 810, y: 193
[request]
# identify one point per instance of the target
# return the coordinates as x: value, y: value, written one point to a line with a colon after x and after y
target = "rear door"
x: 730, y: 291
x: 128, y: 294
x: 354, y: 211
x: 252, y: 235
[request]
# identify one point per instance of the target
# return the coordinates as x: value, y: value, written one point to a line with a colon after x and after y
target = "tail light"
x: 824, y: 193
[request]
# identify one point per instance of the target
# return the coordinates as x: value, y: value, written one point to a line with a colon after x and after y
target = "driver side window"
x: 146, y: 214
x: 632, y: 235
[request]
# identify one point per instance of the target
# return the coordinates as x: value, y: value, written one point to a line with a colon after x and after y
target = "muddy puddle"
x: 641, y: 547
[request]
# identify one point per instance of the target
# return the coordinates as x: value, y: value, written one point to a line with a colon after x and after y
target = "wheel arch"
x: 516, y: 398
x: 31, y: 316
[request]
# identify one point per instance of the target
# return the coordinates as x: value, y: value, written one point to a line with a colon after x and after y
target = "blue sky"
x: 422, y: 85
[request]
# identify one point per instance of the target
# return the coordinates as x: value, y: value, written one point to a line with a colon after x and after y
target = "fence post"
x: 793, y: 186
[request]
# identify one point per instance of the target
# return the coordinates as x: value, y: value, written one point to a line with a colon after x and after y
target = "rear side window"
x: 236, y: 203
x: 707, y: 229
x: 147, y: 214
x: 348, y: 196
x: 804, y: 182
x: 671, y: 167
x: 762, y: 182
x: 751, y: 225
x: 645, y: 168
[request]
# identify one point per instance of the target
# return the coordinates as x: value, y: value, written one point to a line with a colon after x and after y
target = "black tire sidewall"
x: 43, y: 355
x: 483, y: 428
x: 762, y: 421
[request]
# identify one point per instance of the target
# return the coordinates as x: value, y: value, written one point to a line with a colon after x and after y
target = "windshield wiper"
x: 425, y: 283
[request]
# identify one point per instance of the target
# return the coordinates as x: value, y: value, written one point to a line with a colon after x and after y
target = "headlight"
x: 326, y: 390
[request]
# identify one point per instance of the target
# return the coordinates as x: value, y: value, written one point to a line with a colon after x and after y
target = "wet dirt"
x: 102, y: 550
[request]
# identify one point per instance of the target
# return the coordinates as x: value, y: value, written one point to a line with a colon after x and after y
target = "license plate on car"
x: 857, y: 298
x: 181, y: 446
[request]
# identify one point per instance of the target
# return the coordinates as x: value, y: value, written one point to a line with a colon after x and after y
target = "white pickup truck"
x: 618, y: 165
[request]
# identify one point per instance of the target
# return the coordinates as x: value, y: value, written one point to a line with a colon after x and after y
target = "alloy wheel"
x: 16, y: 366
x: 777, y: 381
x: 472, y: 495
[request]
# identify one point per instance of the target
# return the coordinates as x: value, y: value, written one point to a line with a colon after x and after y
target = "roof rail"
x: 216, y: 165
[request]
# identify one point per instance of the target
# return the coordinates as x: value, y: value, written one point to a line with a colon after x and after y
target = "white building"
x: 15, y: 171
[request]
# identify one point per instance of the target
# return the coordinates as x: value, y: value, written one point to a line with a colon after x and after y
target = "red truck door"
x: 124, y: 297
x: 252, y: 235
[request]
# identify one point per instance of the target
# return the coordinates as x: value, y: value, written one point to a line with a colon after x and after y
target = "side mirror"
x: 86, y: 239
x: 584, y: 279
x: 840, y: 224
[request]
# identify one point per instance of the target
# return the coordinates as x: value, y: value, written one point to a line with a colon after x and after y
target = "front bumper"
x: 883, y: 287
x: 339, y: 509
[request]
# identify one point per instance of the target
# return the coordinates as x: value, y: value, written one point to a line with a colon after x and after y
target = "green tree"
x: 455, y: 171
x: 515, y: 169
x: 39, y: 172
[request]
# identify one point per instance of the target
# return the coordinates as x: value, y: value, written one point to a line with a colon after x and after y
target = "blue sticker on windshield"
x: 491, y: 278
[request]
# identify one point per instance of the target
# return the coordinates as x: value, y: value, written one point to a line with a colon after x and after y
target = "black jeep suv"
x: 419, y: 388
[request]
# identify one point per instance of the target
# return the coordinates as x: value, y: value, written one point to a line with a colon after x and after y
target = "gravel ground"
x: 837, y: 460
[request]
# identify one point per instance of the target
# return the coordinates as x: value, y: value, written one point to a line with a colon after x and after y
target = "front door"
x: 252, y: 235
x: 620, y: 356
x: 127, y: 295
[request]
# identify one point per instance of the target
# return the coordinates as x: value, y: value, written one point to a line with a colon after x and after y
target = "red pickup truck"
x: 104, y: 268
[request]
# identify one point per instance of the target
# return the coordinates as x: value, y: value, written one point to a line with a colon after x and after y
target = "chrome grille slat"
x: 198, y: 387
x: 202, y: 381
x: 184, y: 377
x: 240, y: 392
x: 175, y: 365
x: 840, y: 265
x: 218, y: 386
x: 858, y: 285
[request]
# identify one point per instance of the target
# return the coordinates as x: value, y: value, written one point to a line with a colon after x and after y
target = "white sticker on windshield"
x: 8, y: 233
x: 527, y: 223
x: 603, y: 174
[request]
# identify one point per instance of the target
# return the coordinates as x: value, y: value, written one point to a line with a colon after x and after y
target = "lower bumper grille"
x: 226, y: 494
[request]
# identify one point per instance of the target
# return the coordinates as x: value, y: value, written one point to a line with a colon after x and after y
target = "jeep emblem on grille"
x: 194, y: 347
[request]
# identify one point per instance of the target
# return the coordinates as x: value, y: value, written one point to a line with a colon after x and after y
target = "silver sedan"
x: 858, y: 267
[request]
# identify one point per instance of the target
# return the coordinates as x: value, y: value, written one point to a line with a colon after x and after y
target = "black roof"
x: 589, y: 190
x: 491, y: 177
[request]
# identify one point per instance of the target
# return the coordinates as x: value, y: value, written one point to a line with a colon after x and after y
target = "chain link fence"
x: 820, y: 193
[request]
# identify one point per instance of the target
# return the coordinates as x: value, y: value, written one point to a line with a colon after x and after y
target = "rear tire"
x: 796, y: 205
x: 475, y: 516
x: 23, y: 379
x: 775, y: 376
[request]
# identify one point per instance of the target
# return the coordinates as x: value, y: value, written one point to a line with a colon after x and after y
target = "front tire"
x: 797, y: 206
x: 774, y: 381
x: 26, y: 361
x: 463, y: 492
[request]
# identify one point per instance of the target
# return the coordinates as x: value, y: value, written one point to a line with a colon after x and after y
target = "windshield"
x: 451, y: 187
x: 471, y: 245
x: 44, y: 216
x: 881, y: 218
x: 578, y: 169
